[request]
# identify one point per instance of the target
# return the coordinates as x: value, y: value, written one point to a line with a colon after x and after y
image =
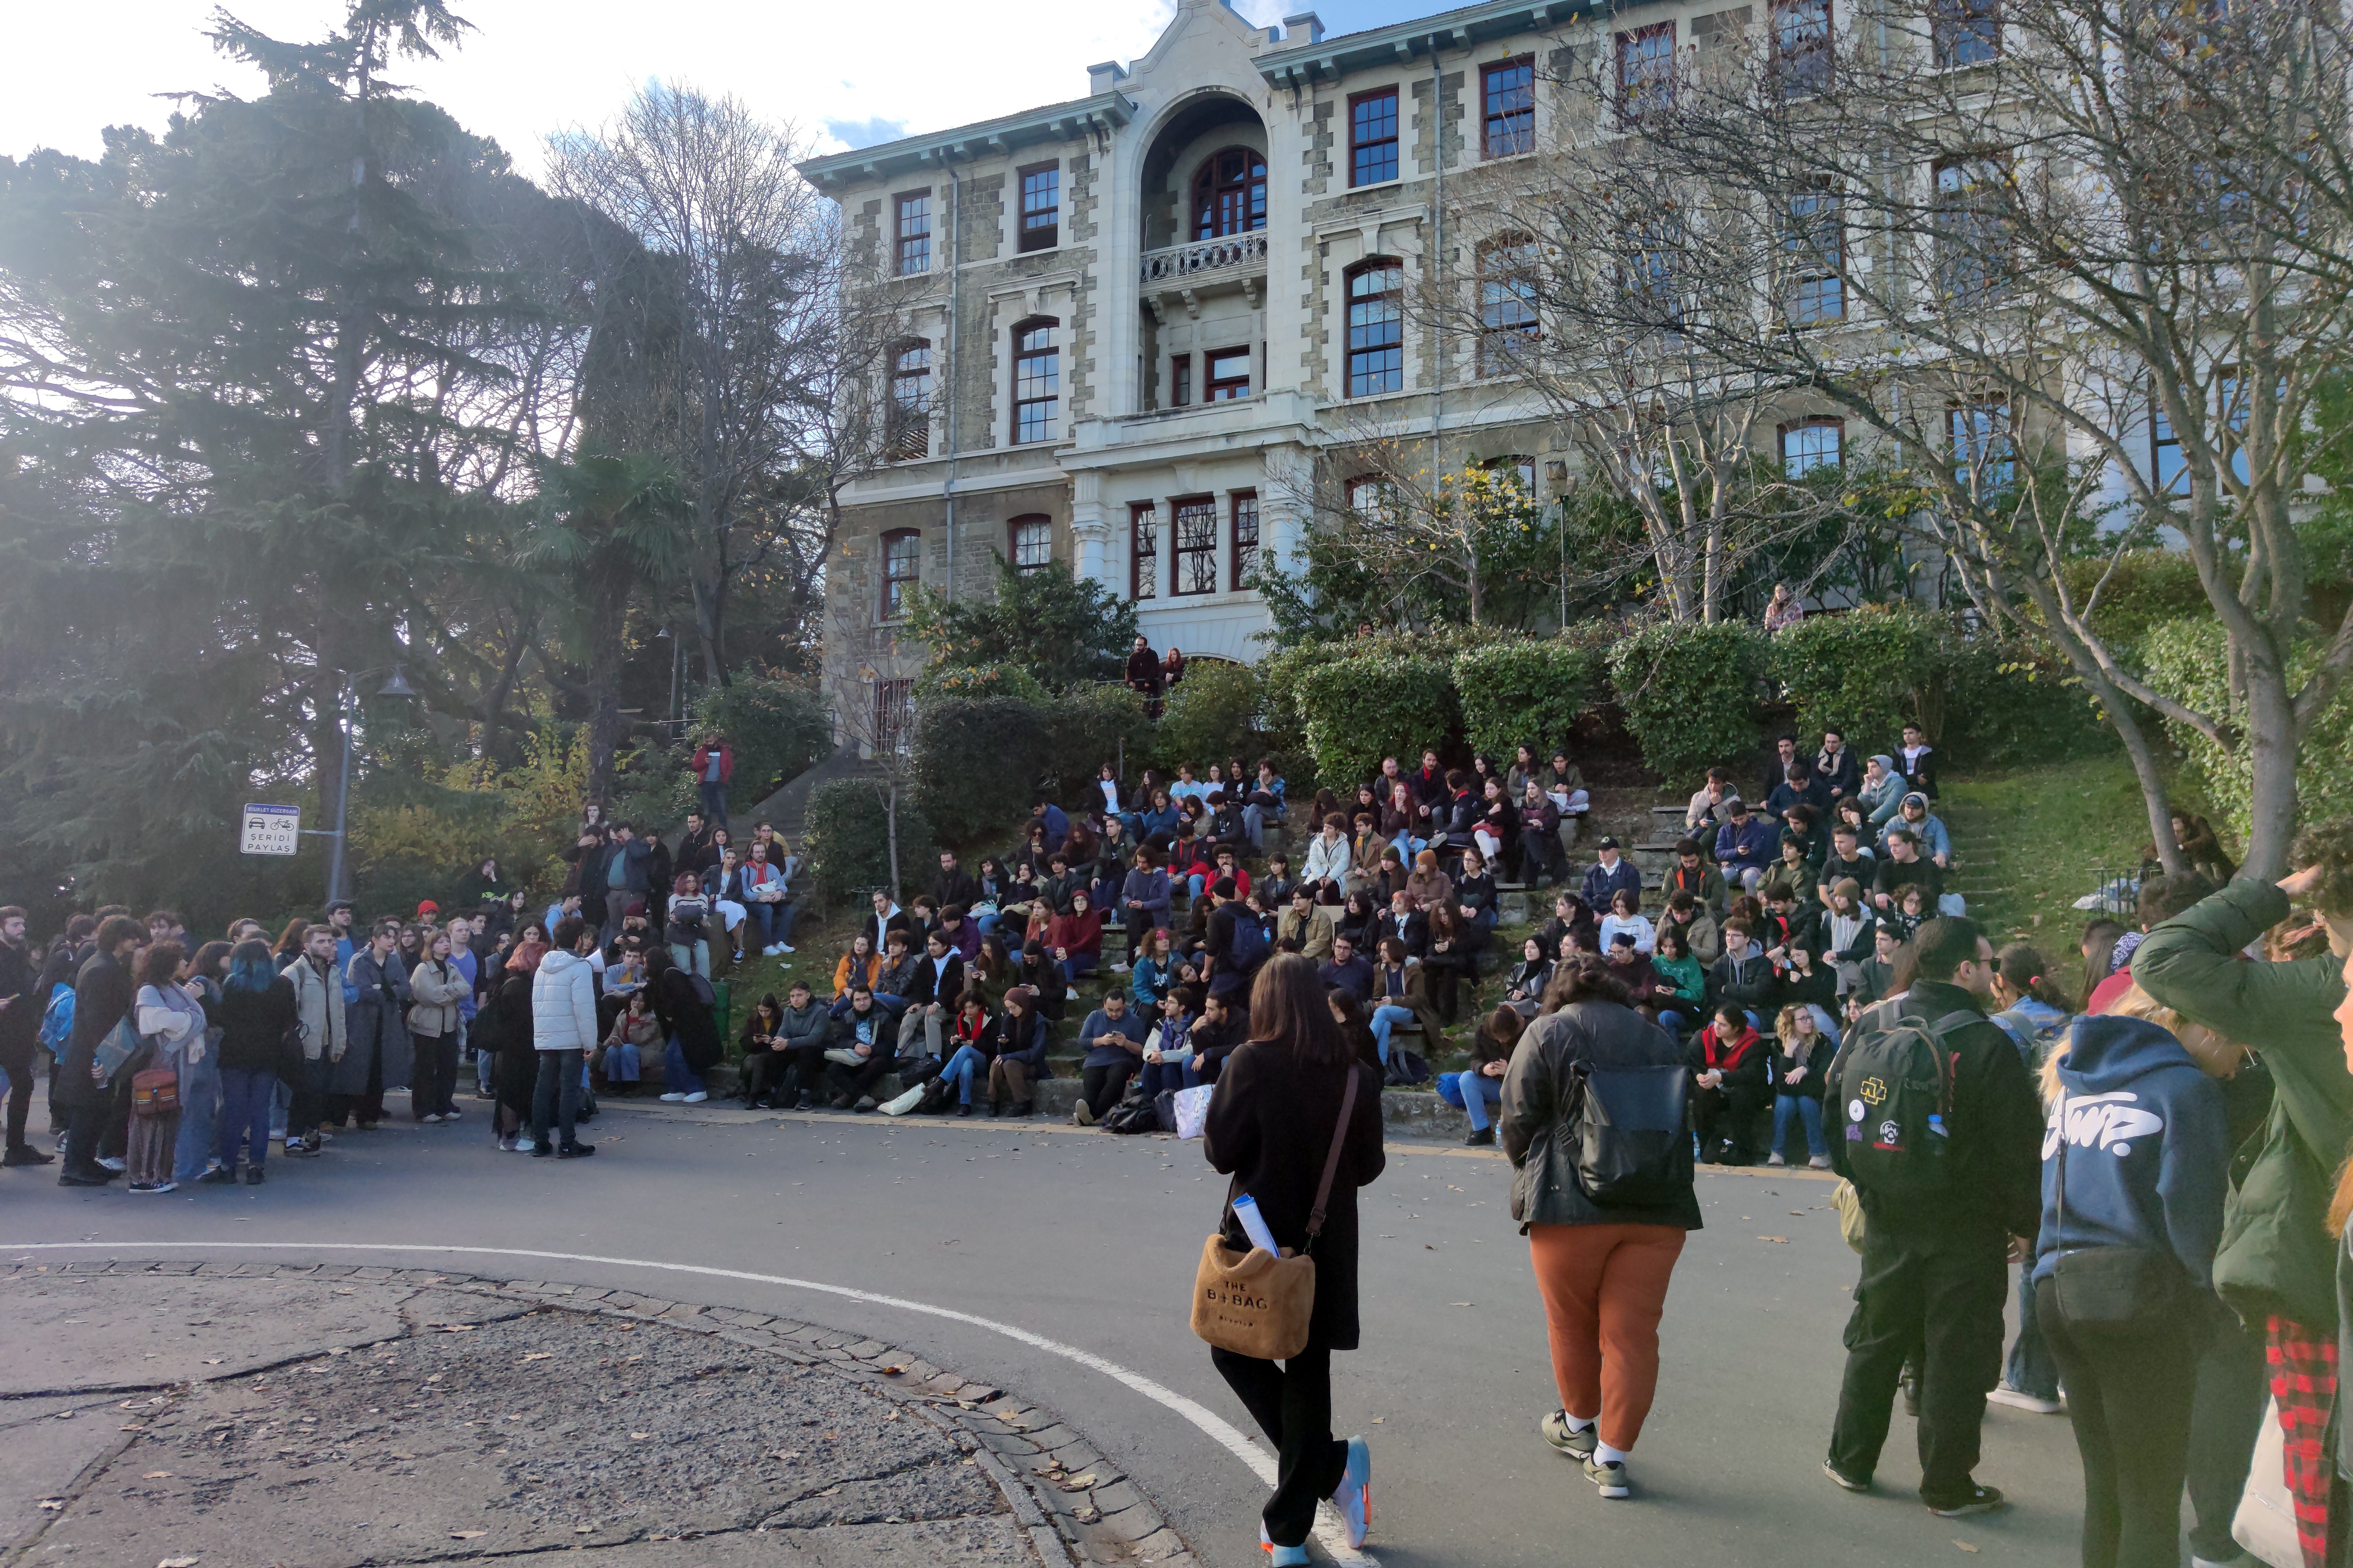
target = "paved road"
x: 1089, y: 1240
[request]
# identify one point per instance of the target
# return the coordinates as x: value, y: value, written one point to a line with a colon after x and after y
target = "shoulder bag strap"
x: 1332, y: 1161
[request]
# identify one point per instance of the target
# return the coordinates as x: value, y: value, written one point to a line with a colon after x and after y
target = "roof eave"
x: 1054, y: 122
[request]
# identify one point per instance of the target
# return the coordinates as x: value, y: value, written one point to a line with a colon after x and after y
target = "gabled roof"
x: 1054, y: 122
x: 1457, y: 29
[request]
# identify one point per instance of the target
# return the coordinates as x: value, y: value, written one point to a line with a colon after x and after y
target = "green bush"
x: 1864, y: 672
x: 950, y: 680
x: 2144, y: 588
x: 848, y: 841
x: 1212, y: 715
x: 777, y: 724
x: 1526, y: 692
x: 1689, y: 691
x: 1375, y: 705
x: 978, y: 761
x: 2006, y: 705
x: 1088, y: 726
x: 2188, y: 660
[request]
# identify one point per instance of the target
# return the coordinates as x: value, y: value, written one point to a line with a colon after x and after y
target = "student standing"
x: 1602, y: 1269
x: 1272, y: 1124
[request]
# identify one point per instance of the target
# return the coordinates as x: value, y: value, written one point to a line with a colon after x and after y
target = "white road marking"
x: 1328, y: 1533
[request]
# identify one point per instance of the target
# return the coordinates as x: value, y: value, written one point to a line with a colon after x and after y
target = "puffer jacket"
x: 563, y: 1004
x: 1538, y: 1131
x: 436, y: 989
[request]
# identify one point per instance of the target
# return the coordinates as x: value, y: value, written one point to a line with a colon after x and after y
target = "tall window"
x: 1180, y: 381
x: 1813, y: 246
x: 1373, y: 137
x: 1143, y: 551
x: 1508, y: 98
x: 2168, y: 470
x: 1650, y: 266
x: 902, y: 568
x: 1973, y: 234
x: 1810, y: 444
x: 1518, y: 471
x: 1375, y: 328
x: 1508, y: 327
x: 1032, y: 538
x: 1372, y: 501
x: 1968, y: 32
x: 1646, y: 72
x: 1245, y: 536
x: 1229, y: 194
x: 1983, y: 459
x: 913, y: 231
x: 1197, y: 545
x: 894, y: 715
x: 1037, y: 381
x: 1801, y: 46
x: 907, y: 422
x: 1227, y: 376
x: 1041, y: 207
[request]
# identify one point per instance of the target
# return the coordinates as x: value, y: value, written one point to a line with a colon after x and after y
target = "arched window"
x: 1376, y: 327
x: 907, y: 421
x: 1229, y: 194
x: 1507, y: 303
x: 1037, y: 380
x: 1032, y: 539
x: 902, y: 568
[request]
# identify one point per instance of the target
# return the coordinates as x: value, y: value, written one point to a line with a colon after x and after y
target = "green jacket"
x: 2276, y: 1256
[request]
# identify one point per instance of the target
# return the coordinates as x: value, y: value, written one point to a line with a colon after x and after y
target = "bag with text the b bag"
x: 1252, y: 1302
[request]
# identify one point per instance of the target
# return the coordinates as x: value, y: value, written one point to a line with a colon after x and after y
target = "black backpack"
x: 1249, y: 944
x: 1633, y: 1142
x: 1892, y: 1088
x: 1136, y: 1113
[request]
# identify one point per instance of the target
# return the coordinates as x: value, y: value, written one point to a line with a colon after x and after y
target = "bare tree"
x: 2092, y: 270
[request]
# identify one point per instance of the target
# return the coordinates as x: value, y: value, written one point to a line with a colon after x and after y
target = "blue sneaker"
x: 1289, y: 1556
x: 1353, y: 1497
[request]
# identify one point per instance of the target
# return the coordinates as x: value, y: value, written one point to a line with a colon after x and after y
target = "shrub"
x: 2006, y: 705
x: 1374, y: 705
x: 1689, y: 691
x: 2188, y: 660
x: 1088, y: 726
x: 849, y: 840
x: 947, y: 680
x: 1526, y: 692
x: 1212, y: 715
x: 2144, y: 588
x: 779, y: 726
x: 976, y: 762
x: 1864, y: 672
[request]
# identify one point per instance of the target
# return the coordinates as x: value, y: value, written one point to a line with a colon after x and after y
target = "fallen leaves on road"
x: 176, y: 1563
x: 1075, y: 1483
x: 641, y: 1436
x: 1458, y: 1303
x: 156, y: 1476
x: 538, y: 1355
x: 53, y: 1504
x: 1965, y: 1545
x: 468, y: 1534
x: 1783, y: 1241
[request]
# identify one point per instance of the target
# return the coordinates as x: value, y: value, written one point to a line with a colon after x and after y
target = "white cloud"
x: 535, y: 65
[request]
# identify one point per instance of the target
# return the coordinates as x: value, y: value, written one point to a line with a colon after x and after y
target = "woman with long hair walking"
x: 1602, y: 1256
x: 1271, y: 1126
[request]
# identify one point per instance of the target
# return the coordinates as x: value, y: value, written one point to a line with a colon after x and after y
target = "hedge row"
x: 2188, y: 660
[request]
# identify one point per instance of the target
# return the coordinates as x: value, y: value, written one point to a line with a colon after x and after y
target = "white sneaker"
x: 782, y: 947
x: 1775, y: 1160
x: 697, y: 1097
x: 1122, y: 969
x: 1070, y: 995
x: 448, y: 1116
x: 1820, y: 1162
x: 114, y: 1165
x: 770, y: 951
x: 2016, y: 1400
x: 673, y: 1098
x: 432, y: 1116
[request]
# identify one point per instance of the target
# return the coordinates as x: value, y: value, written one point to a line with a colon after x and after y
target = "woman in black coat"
x: 1270, y: 1125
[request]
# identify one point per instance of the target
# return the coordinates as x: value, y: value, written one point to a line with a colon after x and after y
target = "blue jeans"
x: 985, y: 924
x: 1474, y: 1092
x: 245, y: 1115
x: 2030, y: 1369
x: 715, y: 801
x: 1806, y: 1110
x: 1674, y: 1023
x: 1077, y: 964
x: 556, y: 1096
x: 676, y: 1077
x: 1388, y: 1016
x: 960, y: 1069
x: 694, y: 957
x: 200, y: 1105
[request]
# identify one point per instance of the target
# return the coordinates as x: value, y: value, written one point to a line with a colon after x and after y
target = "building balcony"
x: 1208, y: 259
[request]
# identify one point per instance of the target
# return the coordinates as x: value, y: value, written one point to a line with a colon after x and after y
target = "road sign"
x: 270, y: 830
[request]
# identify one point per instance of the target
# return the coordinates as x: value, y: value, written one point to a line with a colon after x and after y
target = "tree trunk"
x: 891, y: 833
x: 2273, y: 742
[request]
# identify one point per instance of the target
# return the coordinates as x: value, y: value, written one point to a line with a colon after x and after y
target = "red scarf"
x: 1723, y: 1057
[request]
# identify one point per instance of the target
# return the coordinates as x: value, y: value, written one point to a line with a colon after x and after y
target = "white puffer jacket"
x: 563, y: 1004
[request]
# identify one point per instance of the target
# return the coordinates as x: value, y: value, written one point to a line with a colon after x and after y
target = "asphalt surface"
x: 1090, y: 1241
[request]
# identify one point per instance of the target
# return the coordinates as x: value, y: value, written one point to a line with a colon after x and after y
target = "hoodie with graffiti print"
x: 2146, y: 1144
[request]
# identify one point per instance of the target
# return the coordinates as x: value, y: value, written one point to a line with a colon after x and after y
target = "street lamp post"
x: 349, y: 704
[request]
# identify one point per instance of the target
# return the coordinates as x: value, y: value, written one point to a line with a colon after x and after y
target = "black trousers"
x: 556, y: 1096
x: 306, y: 1105
x: 2226, y: 1416
x: 1104, y: 1087
x: 2129, y: 1392
x: 1727, y: 1116
x: 808, y: 1064
x: 1931, y: 1295
x: 855, y: 1083
x: 1292, y: 1402
x: 763, y: 1073
x: 368, y: 1107
x: 433, y: 1079
x: 85, y: 1130
x: 20, y: 1094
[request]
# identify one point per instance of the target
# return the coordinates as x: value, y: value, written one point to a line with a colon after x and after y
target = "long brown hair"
x: 1585, y: 979
x: 1288, y: 1009
x: 2023, y: 969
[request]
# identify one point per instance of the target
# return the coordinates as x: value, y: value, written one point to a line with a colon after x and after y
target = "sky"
x: 847, y: 76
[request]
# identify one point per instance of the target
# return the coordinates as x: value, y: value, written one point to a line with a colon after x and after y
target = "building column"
x: 1089, y: 531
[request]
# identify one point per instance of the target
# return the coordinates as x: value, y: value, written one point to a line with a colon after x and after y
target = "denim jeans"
x: 557, y: 1094
x: 1388, y: 1016
x: 1077, y: 964
x: 2030, y: 1369
x: 1157, y: 1076
x: 200, y: 1116
x: 1806, y: 1110
x: 693, y: 957
x: 1474, y: 1092
x: 715, y: 801
x: 676, y: 1077
x: 960, y: 1069
x: 245, y: 1115
x: 1673, y: 1022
